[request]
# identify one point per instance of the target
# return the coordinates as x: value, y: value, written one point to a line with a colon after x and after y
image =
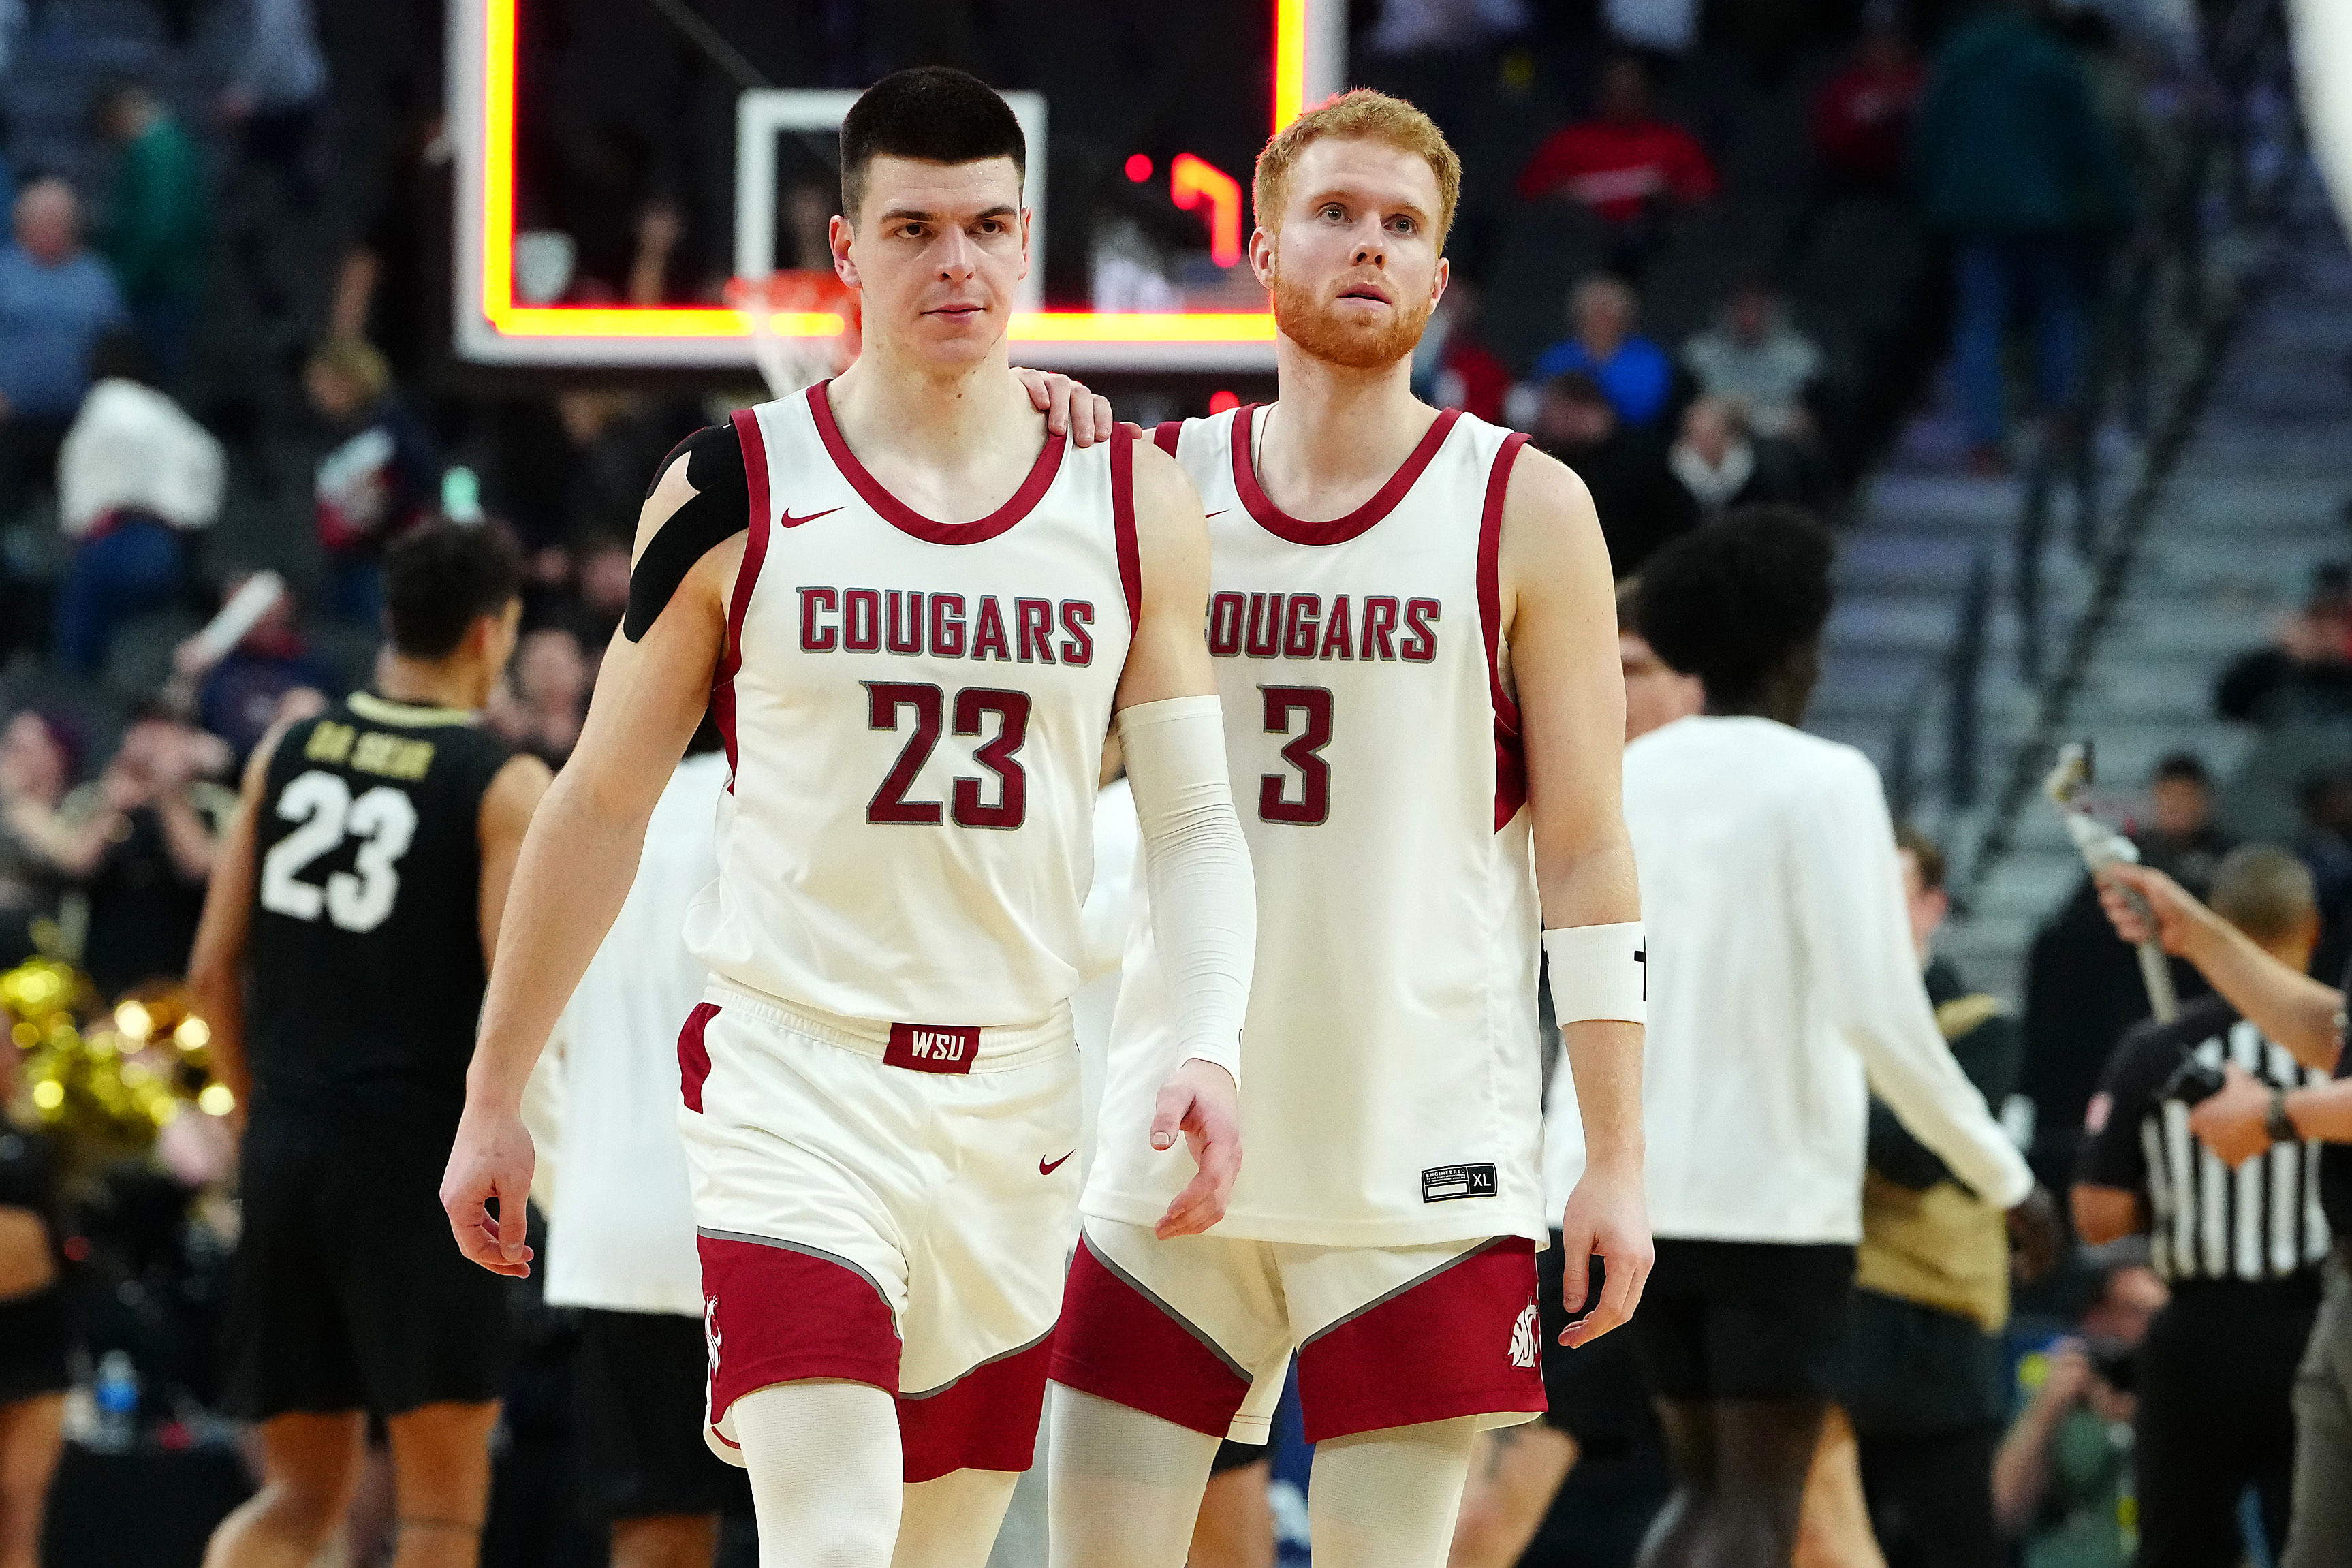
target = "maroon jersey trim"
x: 1341, y: 530
x: 906, y: 519
x: 1510, y: 748
x: 1166, y: 433
x: 1122, y: 522
x: 755, y: 554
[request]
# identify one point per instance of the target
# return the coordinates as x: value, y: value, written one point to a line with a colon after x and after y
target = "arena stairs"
x: 2208, y: 540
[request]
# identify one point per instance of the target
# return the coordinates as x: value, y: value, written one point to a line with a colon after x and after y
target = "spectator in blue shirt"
x: 56, y: 302
x: 1636, y: 373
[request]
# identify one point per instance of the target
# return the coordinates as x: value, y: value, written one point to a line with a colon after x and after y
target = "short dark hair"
x: 1730, y: 602
x: 442, y: 577
x: 933, y: 112
x: 2264, y: 890
x: 2182, y: 767
x: 1925, y: 853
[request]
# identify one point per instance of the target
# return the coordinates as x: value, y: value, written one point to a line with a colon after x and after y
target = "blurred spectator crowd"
x: 1707, y: 255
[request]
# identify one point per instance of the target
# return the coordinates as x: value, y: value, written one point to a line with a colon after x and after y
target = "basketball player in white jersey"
x: 915, y: 613
x: 1412, y: 623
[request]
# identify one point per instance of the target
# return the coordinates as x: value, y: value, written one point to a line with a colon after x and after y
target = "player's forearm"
x: 1912, y: 1070
x: 1594, y: 884
x: 2293, y: 1009
x: 219, y: 1000
x: 1197, y: 866
x: 1604, y: 1056
x: 1590, y: 883
x: 570, y: 881
x: 2322, y: 1112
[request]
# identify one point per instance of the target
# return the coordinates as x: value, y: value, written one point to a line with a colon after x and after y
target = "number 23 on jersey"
x: 383, y: 821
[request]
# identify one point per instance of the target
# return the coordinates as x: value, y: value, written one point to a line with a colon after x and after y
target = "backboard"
x: 1163, y: 152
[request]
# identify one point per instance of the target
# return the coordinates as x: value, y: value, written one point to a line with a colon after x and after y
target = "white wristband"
x: 1599, y: 972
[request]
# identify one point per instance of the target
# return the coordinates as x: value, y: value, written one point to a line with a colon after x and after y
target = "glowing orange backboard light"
x: 494, y: 326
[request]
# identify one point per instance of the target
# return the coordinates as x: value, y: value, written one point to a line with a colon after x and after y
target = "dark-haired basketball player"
x: 917, y: 611
x: 340, y: 964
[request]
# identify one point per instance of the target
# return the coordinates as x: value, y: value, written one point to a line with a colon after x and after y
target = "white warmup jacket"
x: 1783, y: 991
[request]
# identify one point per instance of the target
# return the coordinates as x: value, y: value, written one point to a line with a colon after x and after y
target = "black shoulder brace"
x: 719, y: 509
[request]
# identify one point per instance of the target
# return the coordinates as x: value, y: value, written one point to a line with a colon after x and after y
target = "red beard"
x: 1320, y: 330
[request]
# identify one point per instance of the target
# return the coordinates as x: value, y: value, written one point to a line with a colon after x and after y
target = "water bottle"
x: 117, y: 1398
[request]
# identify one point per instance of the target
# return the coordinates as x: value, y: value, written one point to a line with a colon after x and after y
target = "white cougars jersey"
x: 915, y: 714
x: 1391, y: 1072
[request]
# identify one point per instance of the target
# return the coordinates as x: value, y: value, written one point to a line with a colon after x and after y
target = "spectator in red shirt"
x: 1625, y: 158
x: 1862, y: 118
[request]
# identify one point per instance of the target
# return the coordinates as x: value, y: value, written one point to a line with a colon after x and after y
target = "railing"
x: 1950, y: 687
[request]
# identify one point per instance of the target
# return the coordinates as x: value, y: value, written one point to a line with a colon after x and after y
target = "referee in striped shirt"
x: 2242, y: 1249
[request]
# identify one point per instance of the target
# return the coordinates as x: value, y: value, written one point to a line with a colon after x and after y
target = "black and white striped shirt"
x: 2261, y: 1221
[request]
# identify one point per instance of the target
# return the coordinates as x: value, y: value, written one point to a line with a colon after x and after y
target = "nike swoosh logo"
x: 789, y: 520
x: 1219, y: 512
x: 1044, y: 1169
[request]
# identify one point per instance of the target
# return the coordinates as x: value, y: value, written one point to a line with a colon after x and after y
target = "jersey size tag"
x: 937, y: 1047
x: 1441, y: 1183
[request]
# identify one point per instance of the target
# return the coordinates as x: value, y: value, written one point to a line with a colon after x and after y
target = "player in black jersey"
x: 341, y: 964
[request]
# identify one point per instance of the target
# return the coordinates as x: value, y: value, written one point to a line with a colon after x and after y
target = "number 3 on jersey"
x: 383, y: 820
x: 1304, y: 752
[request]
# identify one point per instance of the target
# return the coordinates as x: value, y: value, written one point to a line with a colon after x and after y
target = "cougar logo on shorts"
x: 710, y: 1330
x: 1523, y: 1338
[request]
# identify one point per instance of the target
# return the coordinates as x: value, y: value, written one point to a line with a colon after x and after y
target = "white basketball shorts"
x: 890, y: 1204
x: 1200, y: 1330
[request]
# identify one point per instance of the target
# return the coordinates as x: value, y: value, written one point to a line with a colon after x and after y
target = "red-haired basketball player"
x: 1413, y: 627
x: 915, y: 613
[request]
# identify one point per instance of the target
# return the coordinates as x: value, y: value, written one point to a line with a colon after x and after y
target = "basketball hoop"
x: 804, y: 327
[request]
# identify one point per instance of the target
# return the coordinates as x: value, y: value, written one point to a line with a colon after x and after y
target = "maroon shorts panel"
x: 1120, y: 1344
x: 779, y: 1314
x: 1463, y: 1340
x: 984, y: 1420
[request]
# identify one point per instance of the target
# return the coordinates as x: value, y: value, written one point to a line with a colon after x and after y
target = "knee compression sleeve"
x: 1387, y: 1499
x: 952, y: 1521
x: 825, y: 1472
x: 1126, y: 1486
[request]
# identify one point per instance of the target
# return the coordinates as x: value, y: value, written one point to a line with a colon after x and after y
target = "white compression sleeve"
x: 952, y: 1520
x: 1197, y: 867
x: 1125, y: 1487
x: 1387, y: 1499
x: 825, y: 1472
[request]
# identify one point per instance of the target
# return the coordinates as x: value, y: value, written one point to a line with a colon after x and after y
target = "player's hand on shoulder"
x: 1607, y: 1217
x: 1070, y: 409
x: 491, y: 1159
x: 1201, y: 1103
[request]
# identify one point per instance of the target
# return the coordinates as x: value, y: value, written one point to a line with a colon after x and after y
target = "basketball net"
x: 804, y: 327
